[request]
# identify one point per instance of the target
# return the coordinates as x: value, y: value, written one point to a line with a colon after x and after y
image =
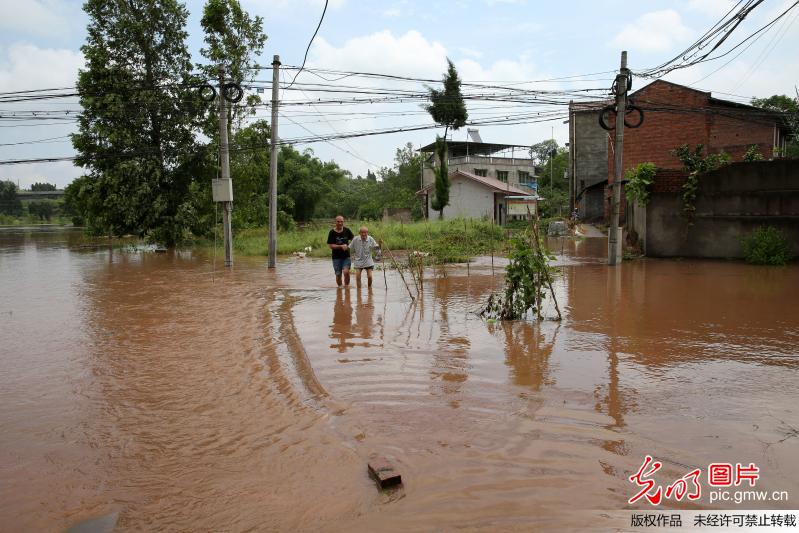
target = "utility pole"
x: 552, y: 153
x: 615, y: 232
x: 224, y: 161
x: 273, y: 165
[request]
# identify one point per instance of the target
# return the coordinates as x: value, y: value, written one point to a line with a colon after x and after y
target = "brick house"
x: 674, y: 115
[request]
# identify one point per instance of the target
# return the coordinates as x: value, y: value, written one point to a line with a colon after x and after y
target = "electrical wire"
x: 304, y: 59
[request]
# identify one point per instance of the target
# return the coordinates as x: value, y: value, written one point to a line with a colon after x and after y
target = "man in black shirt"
x: 338, y: 240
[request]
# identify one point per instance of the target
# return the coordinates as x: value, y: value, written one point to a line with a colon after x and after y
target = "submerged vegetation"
x: 527, y: 277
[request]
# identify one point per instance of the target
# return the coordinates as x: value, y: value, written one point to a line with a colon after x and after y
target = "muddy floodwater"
x: 163, y: 394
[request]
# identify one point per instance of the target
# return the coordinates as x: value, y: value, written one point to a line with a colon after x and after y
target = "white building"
x: 486, y: 180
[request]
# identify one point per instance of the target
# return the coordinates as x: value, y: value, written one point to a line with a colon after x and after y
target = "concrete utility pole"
x: 273, y: 165
x: 551, y: 162
x: 615, y: 232
x: 224, y: 162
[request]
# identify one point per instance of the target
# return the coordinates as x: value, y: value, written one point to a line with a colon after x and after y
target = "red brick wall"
x: 732, y: 133
x: 676, y: 115
x: 668, y: 180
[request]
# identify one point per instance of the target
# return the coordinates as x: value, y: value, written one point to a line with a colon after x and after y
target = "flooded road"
x: 174, y: 397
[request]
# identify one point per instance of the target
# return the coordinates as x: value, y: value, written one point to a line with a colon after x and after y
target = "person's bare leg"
x: 346, y: 272
x: 338, y: 280
x: 358, y: 277
x: 368, y: 278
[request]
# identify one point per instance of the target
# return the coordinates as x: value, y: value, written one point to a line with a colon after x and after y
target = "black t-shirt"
x: 340, y: 238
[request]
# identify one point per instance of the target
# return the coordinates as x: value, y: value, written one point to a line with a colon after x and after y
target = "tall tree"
x: 447, y: 109
x: 43, y: 186
x: 233, y: 40
x: 10, y: 204
x: 135, y: 135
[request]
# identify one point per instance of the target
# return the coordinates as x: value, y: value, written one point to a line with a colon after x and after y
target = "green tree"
x: 306, y: 180
x: 44, y: 209
x: 43, y: 187
x: 233, y: 40
x: 777, y: 102
x: 447, y: 109
x: 135, y: 135
x: 542, y: 151
x: 9, y: 202
x: 789, y: 107
x: 552, y: 162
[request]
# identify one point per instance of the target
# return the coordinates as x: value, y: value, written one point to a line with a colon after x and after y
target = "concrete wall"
x: 732, y: 201
x: 588, y: 153
x: 467, y: 199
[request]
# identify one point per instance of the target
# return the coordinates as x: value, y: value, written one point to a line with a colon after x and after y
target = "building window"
x: 524, y: 177
x: 502, y: 175
x: 481, y: 172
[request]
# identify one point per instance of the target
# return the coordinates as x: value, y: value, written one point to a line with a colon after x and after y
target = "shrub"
x: 766, y: 246
x: 753, y: 154
x: 639, y: 182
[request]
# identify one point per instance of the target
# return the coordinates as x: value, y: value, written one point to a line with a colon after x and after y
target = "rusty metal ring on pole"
x: 207, y: 92
x: 232, y: 92
x: 606, y: 111
x: 631, y: 109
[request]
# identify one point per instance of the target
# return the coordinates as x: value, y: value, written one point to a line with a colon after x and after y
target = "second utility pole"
x: 615, y: 232
x: 224, y: 163
x: 273, y: 165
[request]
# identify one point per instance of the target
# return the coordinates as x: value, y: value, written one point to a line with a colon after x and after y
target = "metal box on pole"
x: 222, y: 190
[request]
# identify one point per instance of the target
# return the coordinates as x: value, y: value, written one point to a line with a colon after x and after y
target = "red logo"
x: 687, y: 486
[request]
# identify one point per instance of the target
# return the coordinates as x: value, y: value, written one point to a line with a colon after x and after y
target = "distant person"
x: 338, y: 240
x: 362, y: 247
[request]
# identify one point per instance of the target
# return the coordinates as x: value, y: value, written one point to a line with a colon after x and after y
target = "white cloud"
x: 413, y: 55
x: 469, y: 52
x: 40, y: 17
x: 658, y: 31
x: 26, y: 66
x: 409, y: 54
x: 392, y: 12
x: 267, y: 5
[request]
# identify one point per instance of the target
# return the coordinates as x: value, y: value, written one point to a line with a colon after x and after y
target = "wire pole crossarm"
x: 614, y: 232
x: 273, y: 165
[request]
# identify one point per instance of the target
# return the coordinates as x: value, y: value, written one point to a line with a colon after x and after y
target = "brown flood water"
x: 146, y: 386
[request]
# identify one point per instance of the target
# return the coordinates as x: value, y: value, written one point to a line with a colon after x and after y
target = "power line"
x: 324, y: 10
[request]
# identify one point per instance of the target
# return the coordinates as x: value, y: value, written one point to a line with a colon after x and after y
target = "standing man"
x: 362, y: 247
x: 338, y: 240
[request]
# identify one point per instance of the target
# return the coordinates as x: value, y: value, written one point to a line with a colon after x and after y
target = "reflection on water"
x: 187, y: 399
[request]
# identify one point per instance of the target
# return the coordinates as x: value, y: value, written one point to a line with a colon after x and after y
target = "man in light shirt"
x: 361, y: 249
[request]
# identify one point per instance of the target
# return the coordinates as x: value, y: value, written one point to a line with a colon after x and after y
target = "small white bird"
x: 301, y: 255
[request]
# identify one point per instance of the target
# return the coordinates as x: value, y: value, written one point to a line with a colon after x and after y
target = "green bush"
x: 766, y: 246
x: 639, y: 182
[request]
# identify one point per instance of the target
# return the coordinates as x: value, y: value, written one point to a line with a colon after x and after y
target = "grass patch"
x: 446, y: 241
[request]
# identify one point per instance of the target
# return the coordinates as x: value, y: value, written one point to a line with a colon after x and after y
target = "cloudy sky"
x: 501, y: 42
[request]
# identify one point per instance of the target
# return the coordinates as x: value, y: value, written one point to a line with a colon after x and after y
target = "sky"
x: 502, y: 42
